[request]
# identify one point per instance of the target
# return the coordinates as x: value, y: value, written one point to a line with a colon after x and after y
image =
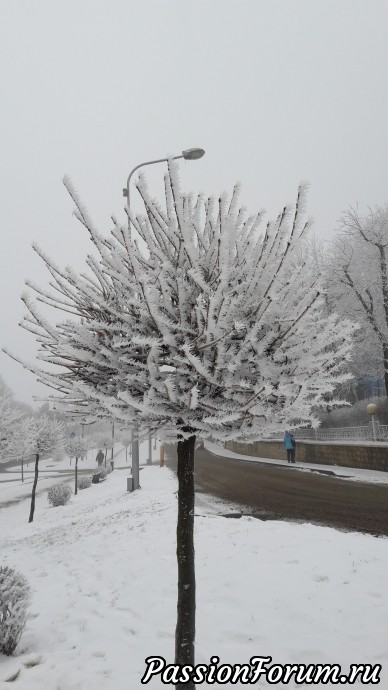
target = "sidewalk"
x: 351, y: 473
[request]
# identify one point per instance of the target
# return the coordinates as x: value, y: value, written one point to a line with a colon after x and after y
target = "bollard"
x: 129, y: 483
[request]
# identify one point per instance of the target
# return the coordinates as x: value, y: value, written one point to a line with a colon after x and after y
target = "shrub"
x: 103, y: 473
x: 84, y: 482
x: 14, y: 601
x: 59, y: 494
x: 109, y: 468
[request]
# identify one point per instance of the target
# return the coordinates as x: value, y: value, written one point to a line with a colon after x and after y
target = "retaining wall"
x: 369, y: 456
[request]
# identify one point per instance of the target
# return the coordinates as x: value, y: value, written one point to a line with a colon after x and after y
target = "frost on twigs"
x: 199, y: 318
x: 14, y: 601
x: 59, y: 494
x: 76, y: 447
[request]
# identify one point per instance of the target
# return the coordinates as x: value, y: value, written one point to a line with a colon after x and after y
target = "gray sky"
x: 275, y: 90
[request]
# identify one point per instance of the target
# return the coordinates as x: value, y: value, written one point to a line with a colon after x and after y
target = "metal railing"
x: 347, y: 433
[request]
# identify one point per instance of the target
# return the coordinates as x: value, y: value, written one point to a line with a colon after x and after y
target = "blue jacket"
x: 289, y: 441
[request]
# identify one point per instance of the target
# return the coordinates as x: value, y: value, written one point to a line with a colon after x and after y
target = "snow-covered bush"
x: 103, y: 473
x: 109, y: 468
x: 14, y: 601
x: 59, y: 494
x: 84, y: 482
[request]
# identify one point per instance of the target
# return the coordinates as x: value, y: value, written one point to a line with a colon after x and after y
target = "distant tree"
x: 21, y: 407
x: 23, y: 441
x: 9, y: 418
x: 5, y: 390
x: 76, y: 448
x: 46, y: 436
x: 126, y: 439
x: 194, y: 322
x: 358, y: 269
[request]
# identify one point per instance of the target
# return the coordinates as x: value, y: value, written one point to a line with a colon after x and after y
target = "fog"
x: 275, y: 91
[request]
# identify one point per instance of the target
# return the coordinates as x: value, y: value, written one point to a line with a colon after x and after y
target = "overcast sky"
x: 275, y: 90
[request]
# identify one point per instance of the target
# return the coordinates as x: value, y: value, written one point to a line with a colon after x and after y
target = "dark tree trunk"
x: 385, y: 355
x: 185, y: 627
x: 22, y: 471
x: 76, y: 477
x: 32, y: 510
x: 126, y: 453
x: 106, y: 450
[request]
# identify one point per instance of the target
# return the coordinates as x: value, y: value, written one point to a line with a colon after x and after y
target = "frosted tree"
x: 194, y: 320
x: 358, y: 265
x: 9, y: 418
x: 126, y: 439
x: 46, y: 436
x: 23, y: 441
x: 76, y: 448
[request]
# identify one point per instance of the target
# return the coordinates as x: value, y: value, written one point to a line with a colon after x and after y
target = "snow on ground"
x: 353, y: 473
x: 103, y: 575
x: 55, y: 471
x: 12, y: 488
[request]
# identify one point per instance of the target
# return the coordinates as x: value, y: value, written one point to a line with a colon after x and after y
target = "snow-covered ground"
x: 103, y: 575
x: 353, y: 473
x: 54, y: 471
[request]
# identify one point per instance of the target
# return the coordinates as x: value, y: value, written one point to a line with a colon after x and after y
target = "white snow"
x: 103, y: 575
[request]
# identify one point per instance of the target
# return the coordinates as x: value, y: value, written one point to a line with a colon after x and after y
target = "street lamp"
x: 188, y: 155
x: 372, y: 409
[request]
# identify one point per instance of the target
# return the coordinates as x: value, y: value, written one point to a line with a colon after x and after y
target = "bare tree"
x: 358, y: 285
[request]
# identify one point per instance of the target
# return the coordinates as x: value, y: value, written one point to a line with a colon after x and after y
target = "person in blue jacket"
x: 289, y: 444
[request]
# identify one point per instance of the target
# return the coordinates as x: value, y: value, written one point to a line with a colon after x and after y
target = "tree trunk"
x: 149, y: 459
x: 106, y: 451
x: 185, y: 627
x: 126, y: 453
x: 22, y: 471
x: 135, y: 460
x: 385, y: 356
x: 32, y: 510
x: 76, y: 477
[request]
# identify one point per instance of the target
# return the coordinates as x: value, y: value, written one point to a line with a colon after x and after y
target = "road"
x: 284, y: 493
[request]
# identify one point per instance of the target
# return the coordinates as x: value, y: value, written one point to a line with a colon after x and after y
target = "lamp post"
x: 113, y: 443
x: 189, y: 155
x: 372, y: 409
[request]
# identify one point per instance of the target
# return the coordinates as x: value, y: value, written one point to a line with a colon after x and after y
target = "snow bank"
x: 103, y: 575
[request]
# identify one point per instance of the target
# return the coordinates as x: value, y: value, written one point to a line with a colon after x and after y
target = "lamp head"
x: 193, y: 154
